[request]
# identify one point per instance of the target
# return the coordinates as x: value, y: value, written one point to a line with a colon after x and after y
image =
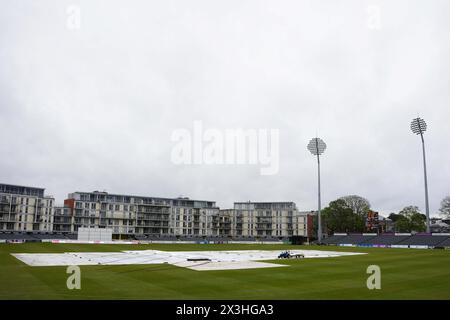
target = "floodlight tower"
x: 419, y: 126
x: 316, y: 146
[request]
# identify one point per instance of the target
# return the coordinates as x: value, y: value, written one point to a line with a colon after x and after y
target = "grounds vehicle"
x: 289, y: 255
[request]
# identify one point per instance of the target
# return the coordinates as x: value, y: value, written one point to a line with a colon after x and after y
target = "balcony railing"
x: 264, y: 229
x: 153, y: 218
x: 151, y: 226
x: 62, y: 222
x: 5, y: 219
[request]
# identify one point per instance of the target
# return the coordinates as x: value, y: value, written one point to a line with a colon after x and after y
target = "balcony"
x: 153, y: 218
x: 6, y: 219
x: 62, y: 214
x: 4, y: 200
x: 61, y: 223
x: 263, y: 228
x: 149, y: 225
x: 7, y: 211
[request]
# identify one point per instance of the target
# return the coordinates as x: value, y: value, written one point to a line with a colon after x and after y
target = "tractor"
x: 289, y: 255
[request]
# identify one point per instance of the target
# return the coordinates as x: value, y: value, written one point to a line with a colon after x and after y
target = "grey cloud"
x: 95, y: 108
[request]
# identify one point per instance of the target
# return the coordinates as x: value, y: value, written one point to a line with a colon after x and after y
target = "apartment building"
x: 227, y: 222
x: 28, y: 209
x: 25, y: 209
x: 124, y: 214
x: 303, y: 224
x: 63, y: 220
x: 137, y: 215
x: 264, y: 219
x: 194, y: 217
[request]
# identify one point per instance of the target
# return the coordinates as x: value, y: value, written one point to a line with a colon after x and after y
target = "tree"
x: 339, y: 217
x: 410, y: 219
x: 315, y: 220
x: 402, y: 224
x: 359, y: 205
x: 445, y: 207
x: 393, y: 216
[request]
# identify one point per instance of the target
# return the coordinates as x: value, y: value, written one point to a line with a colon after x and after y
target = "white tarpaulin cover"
x: 196, y: 260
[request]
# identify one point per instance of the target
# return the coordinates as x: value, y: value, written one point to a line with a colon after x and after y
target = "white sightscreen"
x: 94, y: 234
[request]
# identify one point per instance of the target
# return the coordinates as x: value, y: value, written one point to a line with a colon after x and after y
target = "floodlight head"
x: 316, y: 146
x: 418, y: 126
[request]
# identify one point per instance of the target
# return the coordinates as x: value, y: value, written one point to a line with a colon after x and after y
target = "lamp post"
x: 316, y: 146
x: 419, y: 126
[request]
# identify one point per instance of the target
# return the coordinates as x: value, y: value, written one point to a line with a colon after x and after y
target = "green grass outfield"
x: 405, y: 274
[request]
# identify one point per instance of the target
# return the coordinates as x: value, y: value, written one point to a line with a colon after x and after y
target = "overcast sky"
x: 94, y: 107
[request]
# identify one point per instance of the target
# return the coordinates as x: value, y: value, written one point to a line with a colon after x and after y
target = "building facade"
x: 264, y: 219
x: 193, y: 217
x: 28, y: 209
x: 137, y: 215
x: 303, y: 224
x: 25, y: 209
x: 63, y: 220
